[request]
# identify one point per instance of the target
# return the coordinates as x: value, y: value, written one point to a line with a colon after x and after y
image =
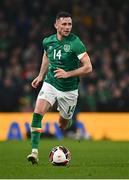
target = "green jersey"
x: 63, y: 54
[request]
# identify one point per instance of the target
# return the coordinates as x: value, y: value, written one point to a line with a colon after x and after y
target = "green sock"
x: 36, y: 130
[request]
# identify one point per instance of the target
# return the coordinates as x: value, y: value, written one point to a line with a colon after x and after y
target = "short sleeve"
x: 44, y: 44
x: 78, y: 47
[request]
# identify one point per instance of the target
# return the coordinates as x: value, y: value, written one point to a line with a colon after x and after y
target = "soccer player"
x: 64, y: 60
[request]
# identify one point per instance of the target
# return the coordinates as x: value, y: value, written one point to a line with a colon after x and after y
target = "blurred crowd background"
x: 103, y: 27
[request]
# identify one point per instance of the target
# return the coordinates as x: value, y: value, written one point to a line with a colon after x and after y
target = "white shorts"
x: 67, y: 101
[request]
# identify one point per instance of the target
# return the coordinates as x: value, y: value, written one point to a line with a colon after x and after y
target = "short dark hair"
x: 62, y: 14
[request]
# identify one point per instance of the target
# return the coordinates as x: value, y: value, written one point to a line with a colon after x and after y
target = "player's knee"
x: 38, y: 111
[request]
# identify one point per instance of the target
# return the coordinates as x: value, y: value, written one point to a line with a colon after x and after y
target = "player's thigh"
x: 42, y: 106
x: 46, y: 98
x: 67, y: 102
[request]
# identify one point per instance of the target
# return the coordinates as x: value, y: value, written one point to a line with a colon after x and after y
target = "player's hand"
x: 36, y: 81
x: 60, y: 73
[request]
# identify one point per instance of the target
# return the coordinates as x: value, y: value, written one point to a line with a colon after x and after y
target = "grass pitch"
x: 90, y: 159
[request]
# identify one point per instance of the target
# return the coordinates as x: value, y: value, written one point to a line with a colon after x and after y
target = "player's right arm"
x: 43, y: 70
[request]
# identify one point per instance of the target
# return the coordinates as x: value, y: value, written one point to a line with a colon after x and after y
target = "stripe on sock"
x: 35, y: 129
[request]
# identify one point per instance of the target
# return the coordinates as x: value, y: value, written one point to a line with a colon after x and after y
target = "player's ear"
x: 55, y: 25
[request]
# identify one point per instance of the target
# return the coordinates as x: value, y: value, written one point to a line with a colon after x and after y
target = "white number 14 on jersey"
x: 57, y: 54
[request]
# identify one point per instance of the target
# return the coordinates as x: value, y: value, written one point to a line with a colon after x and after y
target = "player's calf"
x: 64, y: 123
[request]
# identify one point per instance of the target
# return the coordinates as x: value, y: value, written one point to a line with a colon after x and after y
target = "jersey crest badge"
x: 66, y: 47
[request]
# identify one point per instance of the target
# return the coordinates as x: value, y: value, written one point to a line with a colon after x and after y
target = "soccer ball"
x: 60, y: 156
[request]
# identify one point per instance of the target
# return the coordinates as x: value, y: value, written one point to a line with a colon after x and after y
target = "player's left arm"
x: 82, y: 71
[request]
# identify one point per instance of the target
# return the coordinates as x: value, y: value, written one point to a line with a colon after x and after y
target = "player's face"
x: 64, y: 26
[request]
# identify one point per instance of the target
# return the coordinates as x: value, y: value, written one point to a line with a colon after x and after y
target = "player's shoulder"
x: 49, y: 38
x: 74, y: 37
x: 76, y: 44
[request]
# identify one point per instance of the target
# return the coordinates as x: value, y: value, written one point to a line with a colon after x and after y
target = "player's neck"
x: 59, y: 37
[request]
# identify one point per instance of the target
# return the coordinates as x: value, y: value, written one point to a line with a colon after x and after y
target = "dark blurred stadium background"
x: 101, y: 24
